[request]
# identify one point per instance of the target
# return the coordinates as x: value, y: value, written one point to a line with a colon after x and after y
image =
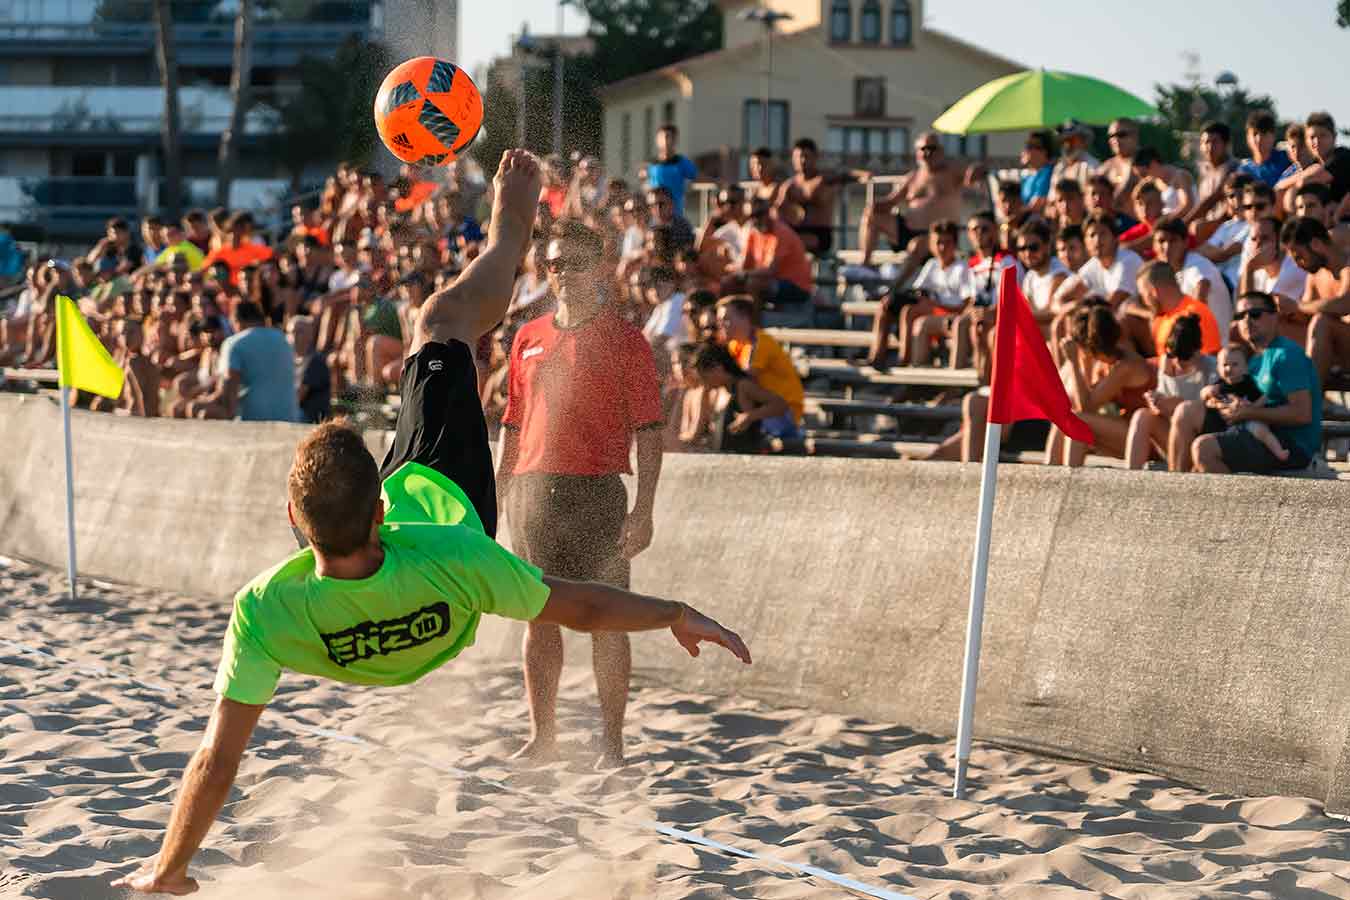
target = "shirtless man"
x: 1326, y: 296
x: 1314, y: 202
x: 806, y: 200
x: 1123, y: 135
x: 762, y: 174
x: 140, y: 393
x: 1178, y: 187
x: 324, y: 612
x: 930, y: 193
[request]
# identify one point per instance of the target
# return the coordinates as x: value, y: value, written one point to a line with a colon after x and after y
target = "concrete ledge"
x: 1188, y: 626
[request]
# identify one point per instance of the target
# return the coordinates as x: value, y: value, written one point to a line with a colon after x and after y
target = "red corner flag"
x: 1026, y: 384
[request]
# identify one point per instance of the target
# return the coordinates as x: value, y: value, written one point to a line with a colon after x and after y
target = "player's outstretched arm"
x: 206, y: 784
x: 478, y: 299
x: 588, y: 606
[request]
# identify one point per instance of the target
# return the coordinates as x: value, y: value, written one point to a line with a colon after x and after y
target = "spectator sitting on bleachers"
x: 700, y: 317
x: 764, y: 174
x: 1162, y: 303
x: 970, y: 333
x: 1075, y: 164
x: 176, y: 243
x: 926, y: 316
x: 742, y: 409
x: 1267, y: 163
x: 1109, y: 272
x: 774, y: 267
x: 152, y: 236
x: 764, y: 359
x: 1183, y: 372
x: 692, y: 403
x: 1221, y: 241
x: 1148, y: 209
x: 662, y: 207
x: 1010, y: 211
x: 1326, y: 296
x: 1123, y: 137
x: 665, y: 325
x: 1216, y: 163
x: 1198, y: 277
x: 313, y: 383
x: 1292, y: 404
x: 1102, y: 200
x: 1177, y: 185
x: 726, y: 224
x: 140, y: 387
x: 1106, y: 380
x: 1071, y: 248
x: 1033, y: 179
x: 1044, y: 272
x: 257, y: 374
x: 929, y: 193
x: 239, y: 248
x: 1070, y: 205
x: 1313, y: 201
x: 806, y: 200
x: 197, y: 365
x: 1268, y: 268
x: 117, y: 244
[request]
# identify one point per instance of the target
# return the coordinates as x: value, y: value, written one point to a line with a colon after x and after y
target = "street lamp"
x: 768, y: 18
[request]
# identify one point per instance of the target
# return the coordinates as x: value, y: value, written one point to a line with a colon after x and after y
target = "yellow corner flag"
x: 83, y: 362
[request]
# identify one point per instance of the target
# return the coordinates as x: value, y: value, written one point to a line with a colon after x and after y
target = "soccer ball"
x: 427, y: 111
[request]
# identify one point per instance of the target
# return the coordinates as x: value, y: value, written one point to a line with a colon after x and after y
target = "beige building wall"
x: 644, y: 112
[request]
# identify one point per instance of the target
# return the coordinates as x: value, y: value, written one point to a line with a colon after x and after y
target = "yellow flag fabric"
x: 83, y: 362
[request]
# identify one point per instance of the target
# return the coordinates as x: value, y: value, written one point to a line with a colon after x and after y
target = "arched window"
x: 902, y: 23
x: 870, y: 22
x: 841, y: 21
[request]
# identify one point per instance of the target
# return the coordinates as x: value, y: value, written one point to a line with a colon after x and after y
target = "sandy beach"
x: 90, y: 757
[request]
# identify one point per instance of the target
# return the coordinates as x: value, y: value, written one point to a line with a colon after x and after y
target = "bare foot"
x: 539, y: 750
x: 1280, y: 453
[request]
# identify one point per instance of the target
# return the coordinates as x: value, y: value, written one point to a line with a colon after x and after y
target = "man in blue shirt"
x: 259, y: 374
x: 670, y: 170
x: 1291, y: 403
x: 1267, y: 163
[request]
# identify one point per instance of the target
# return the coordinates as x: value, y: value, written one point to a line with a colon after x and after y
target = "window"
x: 971, y: 147
x: 867, y: 141
x: 869, y: 25
x: 841, y: 21
x: 668, y: 113
x: 753, y: 128
x: 648, y: 131
x: 625, y: 142
x: 902, y: 23
x: 869, y: 97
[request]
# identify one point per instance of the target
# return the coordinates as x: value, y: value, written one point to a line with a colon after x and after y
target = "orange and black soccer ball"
x: 427, y: 111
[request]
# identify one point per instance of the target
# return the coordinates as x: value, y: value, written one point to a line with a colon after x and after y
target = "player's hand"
x: 636, y: 535
x: 517, y: 184
x: 145, y: 881
x: 694, y: 628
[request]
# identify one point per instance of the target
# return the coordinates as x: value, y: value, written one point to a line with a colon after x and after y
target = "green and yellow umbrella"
x: 1037, y: 98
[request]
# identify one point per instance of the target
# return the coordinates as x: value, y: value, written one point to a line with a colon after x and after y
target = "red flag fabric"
x: 1026, y: 384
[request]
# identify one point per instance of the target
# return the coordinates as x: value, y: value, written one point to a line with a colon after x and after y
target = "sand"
x: 90, y: 760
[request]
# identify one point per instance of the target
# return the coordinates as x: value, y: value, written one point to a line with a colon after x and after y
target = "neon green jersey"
x: 440, y: 574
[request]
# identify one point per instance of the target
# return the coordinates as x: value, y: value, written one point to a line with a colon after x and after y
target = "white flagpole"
x: 979, y: 571
x: 70, y: 493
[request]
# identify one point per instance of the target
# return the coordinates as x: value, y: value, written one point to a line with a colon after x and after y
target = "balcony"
x: 76, y: 208
x: 204, y: 31
x: 108, y: 116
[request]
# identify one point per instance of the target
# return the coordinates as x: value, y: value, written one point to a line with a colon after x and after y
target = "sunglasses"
x: 1029, y: 248
x: 1253, y: 314
x: 929, y: 148
x: 1255, y: 205
x: 1119, y: 134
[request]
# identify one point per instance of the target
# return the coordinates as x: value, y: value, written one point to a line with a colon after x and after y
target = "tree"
x: 331, y: 119
x: 635, y: 36
x: 1343, y: 13
x: 167, y: 55
x: 240, y: 97
x: 1188, y: 107
x: 500, y: 129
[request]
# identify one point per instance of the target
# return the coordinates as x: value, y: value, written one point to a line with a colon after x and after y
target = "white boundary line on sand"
x: 678, y: 834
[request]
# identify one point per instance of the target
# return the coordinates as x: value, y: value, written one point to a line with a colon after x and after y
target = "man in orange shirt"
x: 774, y: 267
x: 241, y: 250
x: 1162, y: 297
x: 764, y: 358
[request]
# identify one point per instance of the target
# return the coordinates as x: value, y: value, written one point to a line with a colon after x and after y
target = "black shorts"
x: 788, y: 293
x: 1242, y: 452
x: 441, y: 425
x: 904, y: 234
x: 823, y: 234
x: 570, y: 525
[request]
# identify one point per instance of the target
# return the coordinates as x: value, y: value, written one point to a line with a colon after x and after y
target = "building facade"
x: 81, y: 103
x: 861, y: 77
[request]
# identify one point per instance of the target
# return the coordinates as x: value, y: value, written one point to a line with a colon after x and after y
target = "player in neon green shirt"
x: 397, y: 572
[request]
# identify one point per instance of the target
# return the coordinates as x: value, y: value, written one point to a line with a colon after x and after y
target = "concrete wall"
x: 1189, y: 626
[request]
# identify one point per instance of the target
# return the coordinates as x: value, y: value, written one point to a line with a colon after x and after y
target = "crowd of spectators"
x: 1139, y: 271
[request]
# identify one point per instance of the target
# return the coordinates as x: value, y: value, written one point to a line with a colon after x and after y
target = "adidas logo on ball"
x: 402, y: 141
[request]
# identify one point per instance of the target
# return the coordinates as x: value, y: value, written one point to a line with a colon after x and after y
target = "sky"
x: 1296, y: 54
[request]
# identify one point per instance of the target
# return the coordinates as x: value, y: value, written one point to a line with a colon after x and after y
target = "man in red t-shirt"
x: 241, y: 250
x: 774, y: 267
x: 582, y: 389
